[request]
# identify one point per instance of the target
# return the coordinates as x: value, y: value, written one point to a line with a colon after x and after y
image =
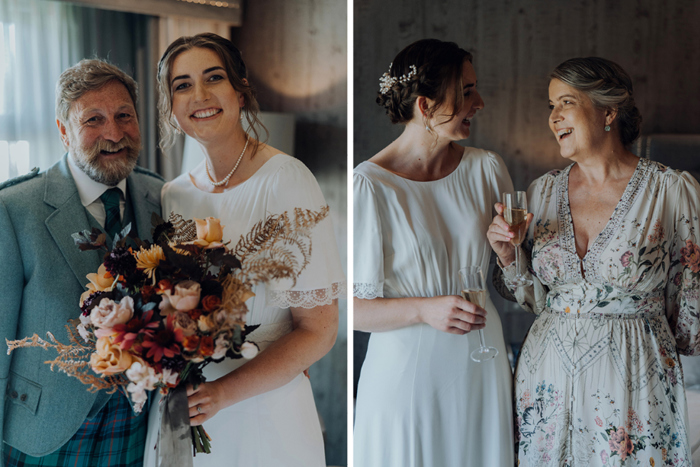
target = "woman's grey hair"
x: 608, y: 86
x: 89, y: 75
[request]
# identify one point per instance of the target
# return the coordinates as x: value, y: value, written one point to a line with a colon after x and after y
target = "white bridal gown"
x: 422, y: 402
x: 279, y: 427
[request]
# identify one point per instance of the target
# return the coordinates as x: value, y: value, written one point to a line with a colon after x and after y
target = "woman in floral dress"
x: 616, y: 268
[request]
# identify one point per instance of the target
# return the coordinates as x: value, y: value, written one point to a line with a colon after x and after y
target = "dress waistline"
x: 640, y: 314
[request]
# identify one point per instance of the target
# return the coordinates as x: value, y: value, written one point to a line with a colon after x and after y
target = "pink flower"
x: 221, y: 346
x: 126, y: 335
x: 598, y: 421
x: 621, y: 442
x: 625, y: 259
x: 185, y: 298
x: 109, y: 313
x: 690, y: 256
x: 165, y: 342
x: 604, y: 456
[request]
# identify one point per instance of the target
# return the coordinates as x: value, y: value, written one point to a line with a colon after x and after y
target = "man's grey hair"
x: 88, y: 75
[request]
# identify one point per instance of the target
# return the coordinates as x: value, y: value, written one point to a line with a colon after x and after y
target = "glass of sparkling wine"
x: 515, y: 214
x: 474, y: 290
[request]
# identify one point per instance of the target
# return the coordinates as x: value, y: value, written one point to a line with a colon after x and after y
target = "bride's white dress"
x: 421, y: 401
x: 279, y: 427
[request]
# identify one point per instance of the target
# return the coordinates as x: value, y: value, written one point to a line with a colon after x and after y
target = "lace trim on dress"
x: 367, y: 290
x: 566, y: 227
x: 306, y: 298
x: 566, y: 224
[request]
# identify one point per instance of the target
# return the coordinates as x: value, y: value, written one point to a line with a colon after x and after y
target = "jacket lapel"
x: 144, y: 202
x: 69, y: 217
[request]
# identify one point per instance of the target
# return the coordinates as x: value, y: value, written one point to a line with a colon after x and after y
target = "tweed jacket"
x: 42, y: 274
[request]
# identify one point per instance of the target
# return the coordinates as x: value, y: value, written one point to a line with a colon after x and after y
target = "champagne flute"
x: 474, y: 290
x: 515, y: 214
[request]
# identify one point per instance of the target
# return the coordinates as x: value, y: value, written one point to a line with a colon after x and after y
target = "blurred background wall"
x: 515, y: 45
x: 296, y: 53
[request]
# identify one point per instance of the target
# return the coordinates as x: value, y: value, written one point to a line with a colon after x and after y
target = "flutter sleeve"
x: 322, y: 280
x: 367, y: 239
x: 531, y: 298
x: 683, y: 288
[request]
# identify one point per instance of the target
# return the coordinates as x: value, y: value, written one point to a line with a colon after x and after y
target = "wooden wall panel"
x: 515, y: 46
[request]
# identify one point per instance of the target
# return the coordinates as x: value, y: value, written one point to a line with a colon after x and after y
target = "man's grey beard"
x: 109, y: 173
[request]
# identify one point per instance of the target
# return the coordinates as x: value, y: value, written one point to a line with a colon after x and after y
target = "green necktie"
x: 110, y: 199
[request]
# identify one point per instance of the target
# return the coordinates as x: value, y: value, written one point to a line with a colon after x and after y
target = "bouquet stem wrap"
x: 174, y: 437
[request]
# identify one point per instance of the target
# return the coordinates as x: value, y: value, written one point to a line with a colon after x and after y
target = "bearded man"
x: 48, y: 418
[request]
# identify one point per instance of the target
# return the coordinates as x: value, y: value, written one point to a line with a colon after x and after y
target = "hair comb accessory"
x: 387, y: 81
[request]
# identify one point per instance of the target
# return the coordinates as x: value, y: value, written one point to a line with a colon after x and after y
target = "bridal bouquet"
x: 156, y: 313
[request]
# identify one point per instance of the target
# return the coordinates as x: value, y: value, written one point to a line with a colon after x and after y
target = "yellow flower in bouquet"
x: 149, y: 259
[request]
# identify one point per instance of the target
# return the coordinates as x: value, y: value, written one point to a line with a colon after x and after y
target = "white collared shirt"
x: 90, y: 192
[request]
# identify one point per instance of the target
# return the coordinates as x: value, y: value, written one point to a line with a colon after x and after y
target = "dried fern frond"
x: 307, y: 219
x: 233, y: 300
x: 185, y: 230
x: 73, y: 359
x: 278, y: 247
x: 261, y: 237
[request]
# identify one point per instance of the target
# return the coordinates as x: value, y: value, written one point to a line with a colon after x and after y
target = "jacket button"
x: 23, y: 397
x: 14, y: 394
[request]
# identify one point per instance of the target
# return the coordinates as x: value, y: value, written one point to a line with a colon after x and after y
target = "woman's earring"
x: 241, y: 114
x: 607, y: 127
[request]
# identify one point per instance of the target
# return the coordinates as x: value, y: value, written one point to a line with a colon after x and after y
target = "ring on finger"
x: 199, y: 409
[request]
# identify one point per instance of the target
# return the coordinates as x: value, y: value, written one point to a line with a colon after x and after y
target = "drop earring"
x: 607, y: 127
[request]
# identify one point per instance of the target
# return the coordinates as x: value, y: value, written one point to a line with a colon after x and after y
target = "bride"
x: 258, y: 412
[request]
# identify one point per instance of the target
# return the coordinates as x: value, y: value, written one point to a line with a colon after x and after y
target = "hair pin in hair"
x: 387, y: 81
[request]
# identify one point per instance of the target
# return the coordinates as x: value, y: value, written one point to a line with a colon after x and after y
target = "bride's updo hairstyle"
x: 430, y: 68
x: 608, y: 86
x: 235, y: 70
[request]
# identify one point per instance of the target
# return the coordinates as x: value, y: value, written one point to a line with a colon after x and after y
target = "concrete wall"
x: 297, y: 56
x: 515, y: 45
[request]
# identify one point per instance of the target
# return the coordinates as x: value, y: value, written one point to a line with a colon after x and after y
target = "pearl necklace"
x: 224, y: 182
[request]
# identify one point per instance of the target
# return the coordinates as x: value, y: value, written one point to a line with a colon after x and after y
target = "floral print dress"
x: 599, y: 380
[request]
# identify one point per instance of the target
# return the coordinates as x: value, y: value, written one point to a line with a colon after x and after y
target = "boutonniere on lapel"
x: 156, y: 313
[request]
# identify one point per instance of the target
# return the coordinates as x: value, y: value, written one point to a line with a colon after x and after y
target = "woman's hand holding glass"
x: 452, y: 314
x: 502, y: 236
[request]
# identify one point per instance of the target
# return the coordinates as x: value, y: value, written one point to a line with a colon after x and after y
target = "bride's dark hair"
x: 438, y: 68
x: 235, y: 70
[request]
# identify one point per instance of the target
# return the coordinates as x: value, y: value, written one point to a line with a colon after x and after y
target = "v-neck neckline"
x: 587, y: 267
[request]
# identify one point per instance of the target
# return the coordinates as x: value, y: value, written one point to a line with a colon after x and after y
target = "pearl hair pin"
x: 387, y: 81
x: 224, y: 182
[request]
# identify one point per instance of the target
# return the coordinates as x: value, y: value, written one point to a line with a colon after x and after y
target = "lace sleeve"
x: 322, y: 280
x: 307, y: 298
x: 367, y: 290
x: 368, y: 251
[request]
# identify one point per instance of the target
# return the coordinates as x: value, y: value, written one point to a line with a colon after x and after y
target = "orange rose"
x: 194, y: 314
x: 101, y: 281
x: 206, y: 346
x: 210, y: 233
x: 211, y: 302
x: 108, y: 358
x: 191, y: 343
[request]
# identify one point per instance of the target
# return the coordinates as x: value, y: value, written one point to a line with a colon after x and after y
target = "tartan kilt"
x: 115, y: 437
